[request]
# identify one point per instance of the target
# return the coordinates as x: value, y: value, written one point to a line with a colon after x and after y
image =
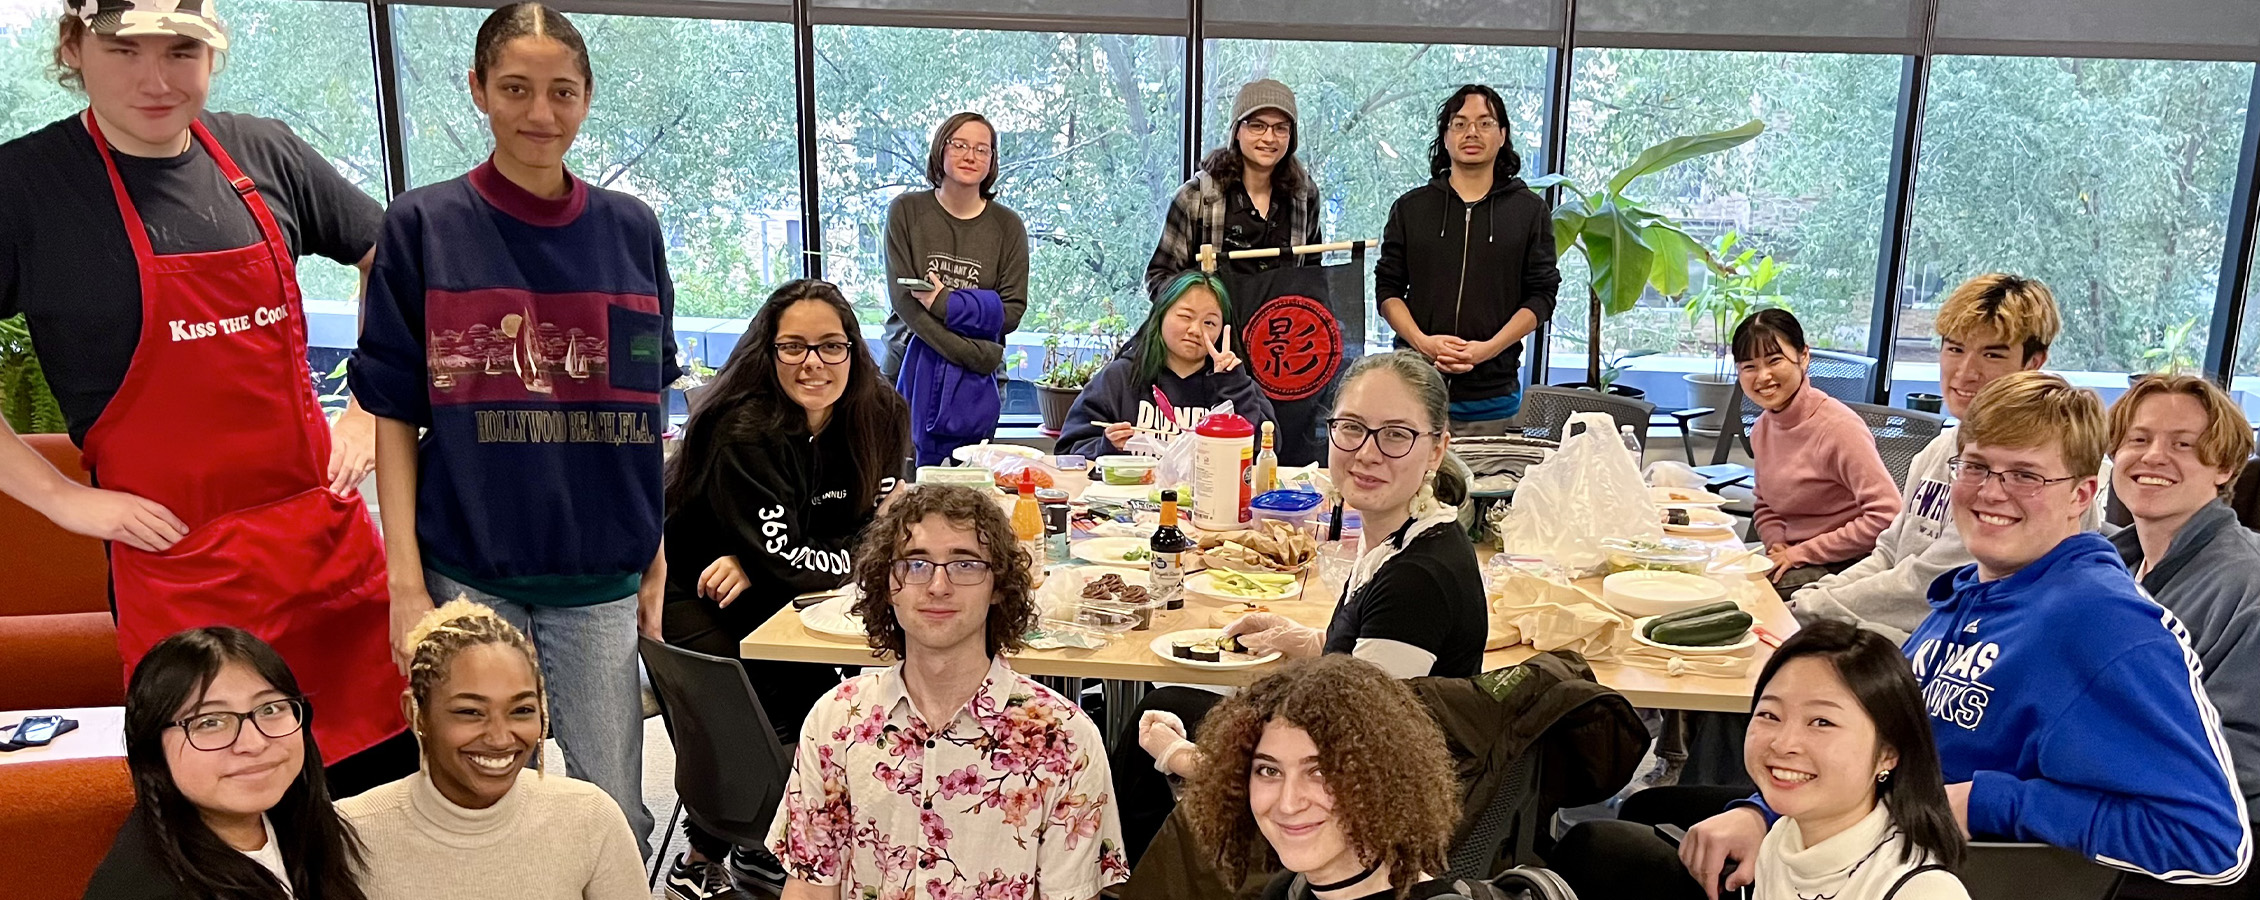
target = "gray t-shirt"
x: 988, y: 251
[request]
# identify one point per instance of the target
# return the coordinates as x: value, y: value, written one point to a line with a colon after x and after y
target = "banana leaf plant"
x: 25, y: 401
x: 1629, y: 247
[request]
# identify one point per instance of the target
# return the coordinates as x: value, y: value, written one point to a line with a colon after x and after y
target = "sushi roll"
x: 1183, y: 648
x: 1206, y: 651
x: 1231, y: 644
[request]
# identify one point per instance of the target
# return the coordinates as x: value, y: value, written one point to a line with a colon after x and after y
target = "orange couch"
x: 58, y: 823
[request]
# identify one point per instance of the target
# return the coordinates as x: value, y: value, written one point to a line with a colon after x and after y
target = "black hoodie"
x: 1464, y: 269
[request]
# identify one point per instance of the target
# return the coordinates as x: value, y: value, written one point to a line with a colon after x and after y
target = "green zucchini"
x: 1685, y: 614
x: 1706, y: 631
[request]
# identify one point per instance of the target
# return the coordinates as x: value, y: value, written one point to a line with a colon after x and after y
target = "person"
x: 1463, y: 304
x: 966, y: 258
x: 474, y: 823
x: 1249, y: 194
x: 1823, y: 492
x: 229, y: 795
x: 519, y: 317
x: 1289, y: 780
x: 783, y: 463
x: 947, y: 773
x: 2179, y: 443
x: 1990, y: 326
x: 165, y: 308
x: 1184, y: 352
x: 2046, y: 734
x: 1840, y: 746
x: 1413, y: 603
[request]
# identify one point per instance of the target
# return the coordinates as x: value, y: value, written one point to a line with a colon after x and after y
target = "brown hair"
x: 2030, y: 409
x: 1012, y: 606
x: 519, y: 20
x: 1386, y: 767
x: 2226, y: 441
x: 69, y: 31
x: 940, y: 149
x: 444, y: 633
x: 2022, y: 309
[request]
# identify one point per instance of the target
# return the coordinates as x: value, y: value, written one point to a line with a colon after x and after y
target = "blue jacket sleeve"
x: 1102, y: 400
x: 389, y: 370
x: 2137, y: 776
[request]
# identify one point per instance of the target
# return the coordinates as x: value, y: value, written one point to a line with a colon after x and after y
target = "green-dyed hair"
x: 1152, y: 353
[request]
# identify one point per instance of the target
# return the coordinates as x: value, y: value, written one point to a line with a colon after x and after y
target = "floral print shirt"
x: 1008, y: 800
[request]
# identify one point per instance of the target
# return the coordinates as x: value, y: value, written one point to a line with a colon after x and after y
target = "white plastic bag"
x: 1588, y: 491
x: 1176, y: 452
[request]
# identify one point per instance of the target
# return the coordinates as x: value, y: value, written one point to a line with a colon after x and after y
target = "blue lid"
x: 1285, y: 501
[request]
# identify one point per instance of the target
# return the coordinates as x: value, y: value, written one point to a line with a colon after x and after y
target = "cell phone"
x: 916, y: 284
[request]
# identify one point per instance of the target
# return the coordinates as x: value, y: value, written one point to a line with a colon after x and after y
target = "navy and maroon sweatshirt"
x: 532, y: 338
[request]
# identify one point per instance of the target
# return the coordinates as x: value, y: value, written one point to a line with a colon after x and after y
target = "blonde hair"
x: 2030, y: 409
x: 444, y: 633
x: 2022, y: 309
x: 2226, y: 441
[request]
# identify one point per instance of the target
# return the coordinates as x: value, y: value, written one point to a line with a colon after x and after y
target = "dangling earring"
x: 1424, y: 502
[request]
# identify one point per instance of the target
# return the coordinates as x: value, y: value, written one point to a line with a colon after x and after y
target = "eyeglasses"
x: 1394, y: 441
x: 1463, y: 125
x: 921, y: 571
x: 2018, y: 482
x: 1259, y: 129
x: 978, y: 151
x: 212, y: 731
x: 793, y: 353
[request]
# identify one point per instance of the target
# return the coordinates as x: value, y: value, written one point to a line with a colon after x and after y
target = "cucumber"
x: 1685, y: 614
x: 1707, y: 631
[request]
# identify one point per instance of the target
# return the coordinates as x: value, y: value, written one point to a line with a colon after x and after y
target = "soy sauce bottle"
x: 1169, y: 546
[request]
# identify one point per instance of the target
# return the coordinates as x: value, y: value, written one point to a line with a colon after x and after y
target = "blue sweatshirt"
x: 950, y: 405
x: 1117, y: 394
x: 532, y: 338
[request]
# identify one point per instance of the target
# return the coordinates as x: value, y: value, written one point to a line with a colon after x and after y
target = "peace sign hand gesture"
x: 1221, y: 355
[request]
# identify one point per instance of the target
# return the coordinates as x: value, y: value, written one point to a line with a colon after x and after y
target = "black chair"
x: 1545, y: 410
x: 730, y: 769
x: 1900, y: 434
x: 1849, y: 377
x: 2016, y: 871
x: 1512, y: 815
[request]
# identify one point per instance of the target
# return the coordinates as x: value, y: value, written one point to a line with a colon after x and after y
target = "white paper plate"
x: 1161, y: 645
x: 965, y: 453
x: 1705, y: 530
x: 1111, y: 551
x: 1671, y: 496
x: 1639, y: 633
x: 1754, y: 564
x: 1117, y: 493
x: 1204, y: 584
x: 835, y: 619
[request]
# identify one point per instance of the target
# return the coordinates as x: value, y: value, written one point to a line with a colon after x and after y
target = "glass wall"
x: 1809, y: 191
x: 695, y: 117
x: 2247, y: 381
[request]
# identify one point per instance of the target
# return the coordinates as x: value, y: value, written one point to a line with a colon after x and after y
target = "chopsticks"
x: 1105, y: 425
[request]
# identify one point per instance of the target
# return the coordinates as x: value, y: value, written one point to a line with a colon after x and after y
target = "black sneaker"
x: 708, y: 880
x: 756, y: 871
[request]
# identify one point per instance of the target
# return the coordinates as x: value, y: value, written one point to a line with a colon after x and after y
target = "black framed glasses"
x: 1259, y: 129
x: 921, y: 571
x: 977, y: 151
x: 219, y: 730
x: 2018, y: 482
x: 1394, y: 441
x: 793, y: 353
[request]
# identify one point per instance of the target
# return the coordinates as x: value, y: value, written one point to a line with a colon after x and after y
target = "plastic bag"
x: 1005, y: 465
x: 1588, y: 491
x: 1176, y: 452
x: 1673, y: 473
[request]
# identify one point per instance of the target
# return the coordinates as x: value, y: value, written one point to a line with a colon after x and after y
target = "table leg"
x: 1121, y: 706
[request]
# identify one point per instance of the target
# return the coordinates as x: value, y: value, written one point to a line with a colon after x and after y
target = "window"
x: 695, y: 117
x: 2109, y: 179
x: 1089, y: 133
x: 1809, y: 191
x: 2247, y: 382
x: 1367, y: 113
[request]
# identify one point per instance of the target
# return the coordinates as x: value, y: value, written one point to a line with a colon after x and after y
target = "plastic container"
x: 1297, y: 508
x: 1657, y: 555
x: 1221, y: 460
x: 967, y: 475
x: 1127, y: 468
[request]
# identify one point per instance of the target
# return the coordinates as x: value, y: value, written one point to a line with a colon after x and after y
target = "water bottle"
x: 1631, y: 443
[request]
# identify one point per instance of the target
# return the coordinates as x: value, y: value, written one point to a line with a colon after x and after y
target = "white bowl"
x: 1651, y: 593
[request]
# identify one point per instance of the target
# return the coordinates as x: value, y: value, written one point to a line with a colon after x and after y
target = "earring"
x: 1425, y: 501
x: 1883, y: 776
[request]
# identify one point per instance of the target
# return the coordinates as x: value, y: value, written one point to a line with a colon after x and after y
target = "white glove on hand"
x: 1162, y: 735
x: 1272, y: 632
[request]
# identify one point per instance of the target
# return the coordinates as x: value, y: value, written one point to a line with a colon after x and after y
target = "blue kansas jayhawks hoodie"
x: 2072, y: 703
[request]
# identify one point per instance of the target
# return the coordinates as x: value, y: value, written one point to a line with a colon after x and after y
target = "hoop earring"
x: 1883, y: 776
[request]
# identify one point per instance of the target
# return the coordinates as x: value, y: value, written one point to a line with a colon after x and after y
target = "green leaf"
x: 1620, y: 259
x: 1680, y: 149
x: 1569, y: 219
x: 1543, y: 182
x: 1668, y: 271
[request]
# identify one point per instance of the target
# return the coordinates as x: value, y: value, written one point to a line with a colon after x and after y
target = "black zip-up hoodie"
x: 1464, y: 269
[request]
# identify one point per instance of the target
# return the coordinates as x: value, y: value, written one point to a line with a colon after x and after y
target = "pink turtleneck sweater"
x: 1822, y: 487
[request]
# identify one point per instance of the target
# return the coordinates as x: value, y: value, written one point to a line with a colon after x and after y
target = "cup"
x: 1929, y: 403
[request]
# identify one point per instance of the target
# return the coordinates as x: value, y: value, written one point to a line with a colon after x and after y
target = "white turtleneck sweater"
x: 550, y: 838
x: 1862, y: 863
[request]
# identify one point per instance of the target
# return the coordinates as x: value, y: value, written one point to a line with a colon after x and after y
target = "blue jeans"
x: 588, y: 663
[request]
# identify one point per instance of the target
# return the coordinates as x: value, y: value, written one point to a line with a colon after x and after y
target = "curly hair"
x: 1387, y: 770
x: 1012, y: 608
x: 444, y: 633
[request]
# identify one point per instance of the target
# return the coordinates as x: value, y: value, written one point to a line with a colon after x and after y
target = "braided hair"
x: 443, y: 634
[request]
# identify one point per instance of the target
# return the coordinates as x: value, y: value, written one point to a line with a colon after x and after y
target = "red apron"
x: 217, y: 420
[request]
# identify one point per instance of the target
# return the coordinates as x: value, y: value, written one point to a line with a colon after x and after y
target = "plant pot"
x: 1615, y: 390
x: 1708, y: 390
x: 1055, y: 402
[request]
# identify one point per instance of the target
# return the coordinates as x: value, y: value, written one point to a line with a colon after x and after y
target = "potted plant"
x: 1744, y: 285
x: 1065, y: 375
x: 1612, y: 370
x: 1627, y: 246
x: 2172, y: 355
x: 25, y: 400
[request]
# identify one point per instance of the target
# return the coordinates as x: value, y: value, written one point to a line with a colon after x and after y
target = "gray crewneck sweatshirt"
x: 2210, y: 580
x: 988, y: 252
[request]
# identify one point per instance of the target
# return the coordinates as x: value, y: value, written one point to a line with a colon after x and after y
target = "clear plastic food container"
x: 1656, y: 555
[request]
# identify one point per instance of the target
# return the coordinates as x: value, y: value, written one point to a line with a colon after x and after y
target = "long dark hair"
x: 1152, y: 355
x: 1287, y: 178
x: 519, y: 20
x: 319, y: 849
x: 746, y: 404
x: 1871, y: 665
x: 1507, y: 165
x: 1768, y: 331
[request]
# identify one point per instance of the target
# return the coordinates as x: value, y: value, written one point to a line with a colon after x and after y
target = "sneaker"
x: 708, y: 880
x: 756, y: 871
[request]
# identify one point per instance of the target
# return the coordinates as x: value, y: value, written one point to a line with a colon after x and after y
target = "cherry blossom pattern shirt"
x: 1007, y: 800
